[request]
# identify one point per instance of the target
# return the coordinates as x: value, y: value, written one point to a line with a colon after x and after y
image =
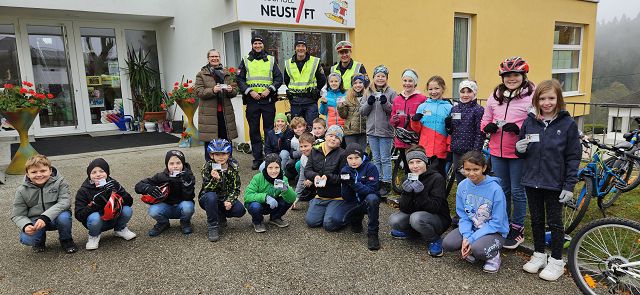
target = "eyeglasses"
x: 214, y: 56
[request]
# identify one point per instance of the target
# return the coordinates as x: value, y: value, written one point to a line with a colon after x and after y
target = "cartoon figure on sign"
x: 339, y: 11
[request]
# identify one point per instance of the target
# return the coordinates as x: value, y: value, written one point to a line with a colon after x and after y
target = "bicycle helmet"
x: 513, y: 65
x: 113, y: 208
x: 149, y: 199
x: 406, y: 136
x: 219, y: 146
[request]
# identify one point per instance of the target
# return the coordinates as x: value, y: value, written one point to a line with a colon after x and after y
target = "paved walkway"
x: 282, y: 261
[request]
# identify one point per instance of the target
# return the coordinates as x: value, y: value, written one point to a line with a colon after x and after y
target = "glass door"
x: 9, y: 66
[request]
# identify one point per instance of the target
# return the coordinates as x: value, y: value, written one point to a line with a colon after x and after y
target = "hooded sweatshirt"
x: 330, y: 109
x: 432, y: 198
x: 181, y: 188
x: 481, y: 208
x: 86, y: 193
x: 433, y: 134
x: 378, y: 114
x: 365, y: 181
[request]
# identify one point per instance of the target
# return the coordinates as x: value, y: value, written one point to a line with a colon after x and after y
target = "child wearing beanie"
x: 359, y: 179
x: 175, y: 201
x: 269, y: 193
x: 94, y: 204
x: 278, y: 139
x: 329, y: 103
x: 355, y: 124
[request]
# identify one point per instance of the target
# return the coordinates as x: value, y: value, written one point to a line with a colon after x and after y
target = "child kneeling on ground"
x: 220, y: 187
x: 481, y: 207
x: 176, y: 202
x: 42, y: 204
x: 103, y: 204
x: 424, y: 209
x: 360, y: 181
x: 269, y: 193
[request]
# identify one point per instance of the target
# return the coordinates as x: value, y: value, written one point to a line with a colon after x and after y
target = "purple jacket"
x: 466, y: 134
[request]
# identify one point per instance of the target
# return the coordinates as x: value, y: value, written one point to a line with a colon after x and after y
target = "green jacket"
x: 259, y: 188
x: 227, y: 187
x: 45, y: 202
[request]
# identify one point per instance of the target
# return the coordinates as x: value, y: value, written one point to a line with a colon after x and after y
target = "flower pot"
x: 155, y: 116
x: 150, y: 126
x: 189, y: 110
x: 21, y: 120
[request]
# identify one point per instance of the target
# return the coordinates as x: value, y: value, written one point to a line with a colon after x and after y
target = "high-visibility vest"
x: 259, y: 73
x: 348, y: 74
x: 302, y: 82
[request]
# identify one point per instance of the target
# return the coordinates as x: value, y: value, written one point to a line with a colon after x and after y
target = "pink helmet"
x: 513, y: 65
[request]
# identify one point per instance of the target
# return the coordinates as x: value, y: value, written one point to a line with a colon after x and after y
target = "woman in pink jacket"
x: 505, y: 112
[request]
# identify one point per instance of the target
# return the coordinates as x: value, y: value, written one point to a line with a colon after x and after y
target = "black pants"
x: 541, y: 202
x: 253, y: 114
x: 307, y: 111
x: 222, y: 134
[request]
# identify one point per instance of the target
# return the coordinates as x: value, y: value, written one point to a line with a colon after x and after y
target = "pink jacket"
x: 401, y: 112
x: 503, y: 144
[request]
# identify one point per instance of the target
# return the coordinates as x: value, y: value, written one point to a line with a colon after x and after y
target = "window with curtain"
x: 461, y: 29
x: 232, y: 48
x: 567, y: 50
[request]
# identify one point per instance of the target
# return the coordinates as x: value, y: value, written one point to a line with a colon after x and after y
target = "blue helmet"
x: 219, y: 146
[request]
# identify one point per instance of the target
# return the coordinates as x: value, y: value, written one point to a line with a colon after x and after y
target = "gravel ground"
x: 293, y: 260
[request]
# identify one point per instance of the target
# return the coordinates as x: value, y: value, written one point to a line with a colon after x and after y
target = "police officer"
x: 347, y: 67
x: 259, y: 79
x: 304, y: 78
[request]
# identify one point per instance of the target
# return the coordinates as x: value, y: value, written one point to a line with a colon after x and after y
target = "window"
x: 9, y: 67
x: 461, y: 29
x: 567, y: 49
x: 143, y: 40
x: 617, y: 124
x: 232, y: 48
x: 280, y: 44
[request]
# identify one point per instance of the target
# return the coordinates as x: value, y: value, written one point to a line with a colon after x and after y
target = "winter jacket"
x: 181, y: 188
x: 482, y: 209
x: 259, y: 188
x: 329, y: 164
x: 354, y: 122
x: 432, y: 198
x: 321, y: 80
x: 433, y: 134
x: 227, y: 186
x: 211, y: 103
x: 503, y: 144
x: 401, y: 112
x: 362, y: 182
x: 330, y: 109
x: 553, y: 162
x: 466, y: 134
x: 241, y: 79
x: 378, y: 114
x: 86, y: 193
x: 45, y: 203
x: 274, y: 143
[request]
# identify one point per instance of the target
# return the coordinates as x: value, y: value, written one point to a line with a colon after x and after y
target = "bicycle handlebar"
x: 613, y: 149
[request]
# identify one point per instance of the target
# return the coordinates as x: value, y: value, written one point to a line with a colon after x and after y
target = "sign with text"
x: 323, y: 13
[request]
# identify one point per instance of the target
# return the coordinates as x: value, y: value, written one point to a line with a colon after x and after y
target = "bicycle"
x: 604, y: 257
x: 397, y: 172
x: 630, y: 169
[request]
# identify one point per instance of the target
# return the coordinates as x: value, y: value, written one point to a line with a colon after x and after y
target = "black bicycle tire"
x: 582, y: 210
x: 451, y: 179
x: 607, y: 200
x: 635, y: 183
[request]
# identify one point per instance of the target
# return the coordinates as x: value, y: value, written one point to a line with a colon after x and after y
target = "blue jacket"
x: 366, y: 181
x: 330, y: 109
x: 274, y: 143
x: 465, y: 131
x: 482, y: 209
x: 553, y: 162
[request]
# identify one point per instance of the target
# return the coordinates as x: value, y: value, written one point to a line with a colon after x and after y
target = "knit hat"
x: 468, y: 84
x: 411, y: 74
x: 334, y: 75
x: 270, y: 158
x: 417, y: 154
x: 335, y: 130
x: 353, y: 149
x: 176, y: 153
x: 300, y: 41
x: 357, y: 77
x: 282, y: 117
x: 343, y: 45
x: 256, y: 38
x: 99, y: 162
x: 381, y: 69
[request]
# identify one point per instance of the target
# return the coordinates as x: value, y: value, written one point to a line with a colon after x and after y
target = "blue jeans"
x: 330, y: 214
x: 257, y: 210
x: 381, y: 152
x: 284, y: 159
x: 96, y: 225
x: 162, y: 212
x: 216, y: 212
x: 62, y: 223
x: 370, y: 206
x: 510, y: 172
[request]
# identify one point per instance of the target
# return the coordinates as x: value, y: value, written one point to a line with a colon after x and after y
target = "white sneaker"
x: 538, y: 260
x: 553, y: 271
x: 124, y: 233
x: 93, y: 242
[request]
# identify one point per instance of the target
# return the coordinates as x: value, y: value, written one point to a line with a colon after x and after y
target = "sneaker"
x: 492, y: 265
x: 93, y: 242
x: 398, y: 234
x: 69, y: 246
x: 213, y: 234
x: 538, y: 261
x: 385, y: 189
x: 186, y: 227
x: 38, y: 248
x: 279, y: 222
x: 124, y: 233
x: 158, y: 229
x: 260, y: 228
x: 435, y: 248
x: 246, y: 149
x: 470, y: 258
x: 373, y: 242
x: 553, y: 271
x: 515, y: 237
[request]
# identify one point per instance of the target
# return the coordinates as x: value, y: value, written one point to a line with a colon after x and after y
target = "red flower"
x: 170, y: 94
x: 185, y: 84
x: 184, y: 134
x: 176, y: 84
x: 191, y: 100
x: 39, y: 96
x: 23, y: 91
x: 189, y: 90
x: 163, y: 106
x: 8, y: 86
x: 27, y: 83
x: 31, y: 91
x: 190, y: 81
x: 49, y: 96
x: 232, y: 70
x: 175, y: 87
x: 31, y: 101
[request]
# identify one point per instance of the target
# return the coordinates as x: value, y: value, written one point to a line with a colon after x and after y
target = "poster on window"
x: 330, y: 13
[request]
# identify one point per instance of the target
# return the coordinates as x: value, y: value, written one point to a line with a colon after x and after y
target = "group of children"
x: 329, y: 167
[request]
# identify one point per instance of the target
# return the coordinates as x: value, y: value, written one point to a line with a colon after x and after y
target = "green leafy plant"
x: 144, y: 81
x: 14, y: 97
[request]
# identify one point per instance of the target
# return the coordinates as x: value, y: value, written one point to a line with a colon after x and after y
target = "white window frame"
x: 466, y: 74
x: 569, y: 47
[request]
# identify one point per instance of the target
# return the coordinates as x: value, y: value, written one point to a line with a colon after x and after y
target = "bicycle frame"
x: 622, y: 268
x: 599, y: 183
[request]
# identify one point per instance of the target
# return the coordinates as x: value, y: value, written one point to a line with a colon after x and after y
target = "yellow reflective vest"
x: 348, y: 74
x: 259, y: 73
x: 302, y: 82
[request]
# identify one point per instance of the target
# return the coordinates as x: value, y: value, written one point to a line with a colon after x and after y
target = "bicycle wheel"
x: 598, y: 254
x: 574, y: 210
x: 451, y: 179
x: 631, y: 175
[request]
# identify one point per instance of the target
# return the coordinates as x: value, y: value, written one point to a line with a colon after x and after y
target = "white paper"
x: 345, y: 176
x: 175, y: 173
x: 216, y: 166
x: 500, y: 123
x: 412, y: 176
x: 101, y: 182
x: 426, y: 112
x: 320, y: 182
x: 456, y: 116
x: 278, y: 183
x: 533, y: 137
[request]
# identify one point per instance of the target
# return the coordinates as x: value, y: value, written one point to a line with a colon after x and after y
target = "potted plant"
x: 182, y: 94
x: 144, y: 82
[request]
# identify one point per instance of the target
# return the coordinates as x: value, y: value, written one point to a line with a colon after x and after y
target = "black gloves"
x: 371, y: 100
x: 417, y: 117
x: 383, y: 99
x: 448, y: 125
x: 490, y: 128
x: 154, y: 191
x: 511, y: 127
x: 112, y: 186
